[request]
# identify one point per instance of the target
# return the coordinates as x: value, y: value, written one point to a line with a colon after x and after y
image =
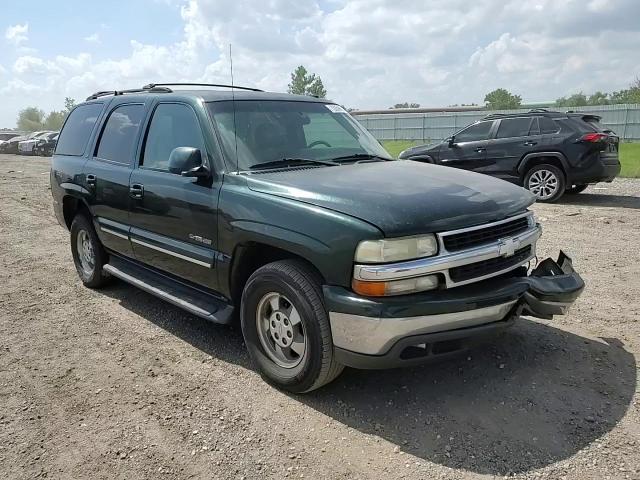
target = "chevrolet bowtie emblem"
x: 508, y: 246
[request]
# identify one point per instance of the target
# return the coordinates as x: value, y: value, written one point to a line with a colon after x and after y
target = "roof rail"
x: 251, y: 89
x: 496, y: 115
x: 146, y: 88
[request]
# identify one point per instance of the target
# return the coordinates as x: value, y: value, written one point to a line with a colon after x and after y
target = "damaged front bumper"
x: 405, y: 330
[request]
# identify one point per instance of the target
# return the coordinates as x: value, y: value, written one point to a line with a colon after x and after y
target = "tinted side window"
x: 173, y: 125
x: 77, y: 129
x: 118, y: 139
x: 479, y: 131
x: 547, y: 125
x: 514, y: 127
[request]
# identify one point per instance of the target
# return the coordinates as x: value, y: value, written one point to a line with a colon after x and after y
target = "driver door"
x: 174, y: 218
x: 469, y: 149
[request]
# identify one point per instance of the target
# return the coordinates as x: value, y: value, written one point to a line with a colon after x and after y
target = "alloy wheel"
x: 280, y: 330
x: 543, y: 184
x: 85, y: 251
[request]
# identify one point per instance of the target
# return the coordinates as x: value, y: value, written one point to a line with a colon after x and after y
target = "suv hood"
x: 420, y: 149
x: 399, y: 197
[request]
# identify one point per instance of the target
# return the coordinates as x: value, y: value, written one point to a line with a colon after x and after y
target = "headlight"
x: 396, y: 249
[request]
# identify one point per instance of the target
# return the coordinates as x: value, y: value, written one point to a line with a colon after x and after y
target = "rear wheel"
x: 576, y: 189
x: 286, y: 327
x: 546, y: 182
x: 88, y: 254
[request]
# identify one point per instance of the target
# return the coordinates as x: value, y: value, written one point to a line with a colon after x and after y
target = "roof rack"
x: 496, y: 115
x: 146, y: 88
x: 153, y: 85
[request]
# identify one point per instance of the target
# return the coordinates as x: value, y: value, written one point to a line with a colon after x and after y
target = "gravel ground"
x: 118, y: 384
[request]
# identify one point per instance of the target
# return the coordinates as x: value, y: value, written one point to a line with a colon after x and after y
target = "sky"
x: 369, y: 53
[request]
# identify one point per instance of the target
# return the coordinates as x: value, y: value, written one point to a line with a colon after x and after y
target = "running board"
x: 197, y: 302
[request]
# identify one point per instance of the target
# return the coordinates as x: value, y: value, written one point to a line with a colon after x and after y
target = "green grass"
x: 394, y: 147
x: 629, y: 155
x: 630, y: 160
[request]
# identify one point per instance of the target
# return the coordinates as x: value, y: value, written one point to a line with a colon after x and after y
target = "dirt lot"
x: 117, y: 384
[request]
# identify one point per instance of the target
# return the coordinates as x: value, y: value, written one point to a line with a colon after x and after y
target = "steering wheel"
x: 318, y: 142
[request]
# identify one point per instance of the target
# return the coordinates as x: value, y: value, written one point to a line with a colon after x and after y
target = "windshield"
x: 270, y: 130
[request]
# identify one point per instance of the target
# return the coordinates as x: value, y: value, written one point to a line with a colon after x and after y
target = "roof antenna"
x: 233, y: 100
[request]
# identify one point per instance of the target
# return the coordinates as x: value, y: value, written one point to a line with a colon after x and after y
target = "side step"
x: 197, y: 302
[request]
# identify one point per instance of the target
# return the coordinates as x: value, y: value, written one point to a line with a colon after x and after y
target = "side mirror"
x: 451, y: 141
x: 187, y: 161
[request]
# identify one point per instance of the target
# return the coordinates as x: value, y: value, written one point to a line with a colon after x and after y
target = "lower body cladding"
x: 400, y: 331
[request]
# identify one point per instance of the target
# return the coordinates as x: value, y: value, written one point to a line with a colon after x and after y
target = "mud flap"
x: 553, y: 287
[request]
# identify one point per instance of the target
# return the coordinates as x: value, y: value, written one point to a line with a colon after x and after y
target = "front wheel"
x: 286, y: 327
x: 546, y: 182
x: 88, y: 254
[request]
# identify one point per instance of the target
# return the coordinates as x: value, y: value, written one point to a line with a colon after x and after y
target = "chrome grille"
x: 489, y: 267
x: 482, y: 236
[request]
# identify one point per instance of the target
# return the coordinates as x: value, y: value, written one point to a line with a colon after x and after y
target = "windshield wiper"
x: 361, y: 156
x: 286, y: 162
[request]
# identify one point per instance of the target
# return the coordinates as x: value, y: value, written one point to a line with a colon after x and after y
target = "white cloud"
x: 17, y: 34
x: 369, y: 53
x: 93, y: 38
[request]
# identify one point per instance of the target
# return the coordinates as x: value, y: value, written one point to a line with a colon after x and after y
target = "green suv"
x: 283, y: 213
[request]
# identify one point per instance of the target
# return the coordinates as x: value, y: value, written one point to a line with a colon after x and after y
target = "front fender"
x: 325, y: 238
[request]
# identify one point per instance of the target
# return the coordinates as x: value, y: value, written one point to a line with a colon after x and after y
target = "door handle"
x: 91, y: 179
x: 480, y: 149
x: 136, y: 190
x: 529, y: 143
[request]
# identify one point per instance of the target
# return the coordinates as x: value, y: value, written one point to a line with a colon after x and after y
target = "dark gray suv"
x: 549, y: 153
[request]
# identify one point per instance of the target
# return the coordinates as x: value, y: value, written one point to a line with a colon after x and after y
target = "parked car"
x: 45, y: 146
x: 11, y: 145
x: 4, y: 136
x: 283, y: 212
x: 26, y: 147
x: 549, y: 153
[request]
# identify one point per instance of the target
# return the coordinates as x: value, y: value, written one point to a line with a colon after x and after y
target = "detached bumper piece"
x: 553, y: 287
x: 412, y: 329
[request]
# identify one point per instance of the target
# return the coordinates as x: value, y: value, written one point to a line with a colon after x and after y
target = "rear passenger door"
x: 107, y: 175
x: 174, y: 218
x: 514, y: 138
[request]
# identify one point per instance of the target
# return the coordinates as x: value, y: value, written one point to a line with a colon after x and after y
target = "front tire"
x: 88, y: 254
x: 286, y: 327
x: 546, y: 182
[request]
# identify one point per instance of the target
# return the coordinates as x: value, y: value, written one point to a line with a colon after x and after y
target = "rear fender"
x: 535, y: 158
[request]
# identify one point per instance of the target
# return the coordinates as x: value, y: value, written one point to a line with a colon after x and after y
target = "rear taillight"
x: 594, y: 137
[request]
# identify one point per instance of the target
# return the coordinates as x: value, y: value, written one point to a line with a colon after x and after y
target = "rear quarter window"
x: 77, y: 129
x: 547, y: 125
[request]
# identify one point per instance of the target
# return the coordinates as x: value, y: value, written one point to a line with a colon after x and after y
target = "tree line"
x: 33, y: 119
x: 502, y: 99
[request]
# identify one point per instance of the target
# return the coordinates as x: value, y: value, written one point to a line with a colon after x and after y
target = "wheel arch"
x: 71, y: 206
x: 552, y: 158
x: 250, y: 256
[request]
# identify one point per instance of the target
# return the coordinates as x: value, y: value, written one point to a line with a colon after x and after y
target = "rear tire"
x: 546, y: 182
x: 286, y: 327
x: 88, y: 254
x: 576, y: 189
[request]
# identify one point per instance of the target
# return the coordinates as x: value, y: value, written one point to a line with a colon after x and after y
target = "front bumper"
x: 404, y: 330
